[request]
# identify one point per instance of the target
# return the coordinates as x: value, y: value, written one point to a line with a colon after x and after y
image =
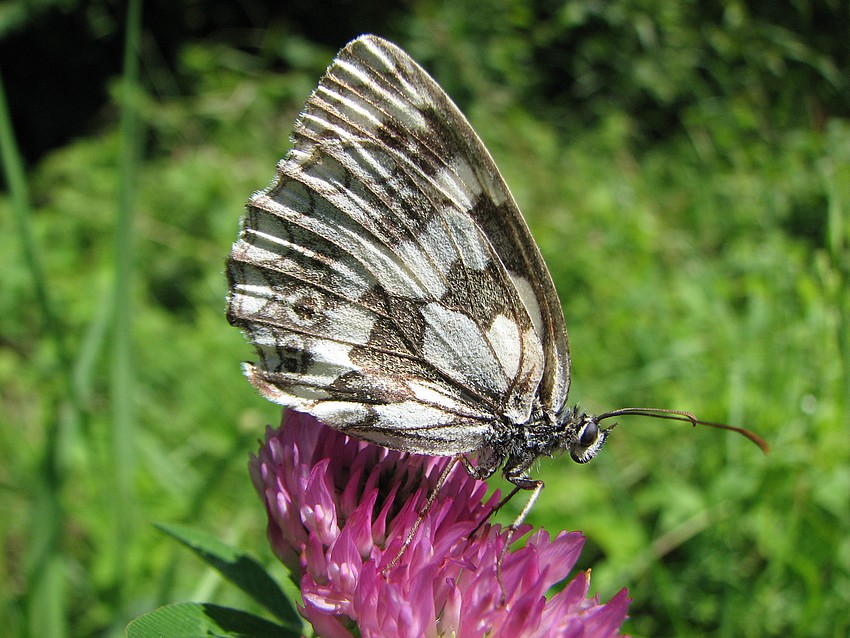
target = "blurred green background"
x: 685, y: 167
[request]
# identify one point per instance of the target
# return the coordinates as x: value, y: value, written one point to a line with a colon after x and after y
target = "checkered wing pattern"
x: 386, y: 277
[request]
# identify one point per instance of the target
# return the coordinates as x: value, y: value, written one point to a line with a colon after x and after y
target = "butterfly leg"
x: 522, y: 483
x: 525, y: 483
x: 481, y: 472
x: 488, y: 463
x: 493, y: 511
x: 441, y: 481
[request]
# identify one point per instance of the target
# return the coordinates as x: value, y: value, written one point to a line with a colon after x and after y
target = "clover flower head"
x: 339, y: 510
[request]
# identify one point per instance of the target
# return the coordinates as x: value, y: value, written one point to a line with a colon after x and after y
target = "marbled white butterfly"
x: 392, y: 289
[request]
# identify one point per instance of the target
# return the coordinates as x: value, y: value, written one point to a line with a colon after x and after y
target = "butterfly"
x: 393, y: 290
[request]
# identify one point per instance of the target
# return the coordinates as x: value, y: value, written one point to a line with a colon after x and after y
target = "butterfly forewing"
x: 386, y: 278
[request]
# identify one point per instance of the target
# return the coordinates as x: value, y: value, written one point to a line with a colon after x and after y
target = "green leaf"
x: 191, y: 620
x: 239, y: 568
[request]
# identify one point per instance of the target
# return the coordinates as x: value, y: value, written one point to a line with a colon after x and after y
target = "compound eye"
x: 589, y: 435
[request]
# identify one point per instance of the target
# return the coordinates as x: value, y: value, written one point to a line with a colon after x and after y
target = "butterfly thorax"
x: 520, y: 445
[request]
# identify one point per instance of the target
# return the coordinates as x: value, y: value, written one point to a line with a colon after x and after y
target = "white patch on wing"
x: 453, y: 344
x: 466, y: 178
x: 504, y: 336
x: 346, y: 322
x: 341, y: 414
x: 404, y: 272
x: 471, y: 244
x: 249, y: 299
x: 529, y: 300
x: 394, y: 278
x: 446, y: 240
x: 453, y: 187
x: 434, y: 241
x: 421, y: 267
x: 269, y: 231
x: 411, y: 415
x: 264, y: 337
x: 461, y: 178
x: 330, y: 360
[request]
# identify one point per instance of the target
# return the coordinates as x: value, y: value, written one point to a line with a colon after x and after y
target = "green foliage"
x: 186, y: 620
x: 750, y: 67
x: 197, y: 620
x: 686, y: 170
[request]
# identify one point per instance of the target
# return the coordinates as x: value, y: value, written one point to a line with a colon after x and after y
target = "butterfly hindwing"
x: 386, y: 278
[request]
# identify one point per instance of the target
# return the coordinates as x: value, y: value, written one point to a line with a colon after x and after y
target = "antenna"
x: 687, y: 417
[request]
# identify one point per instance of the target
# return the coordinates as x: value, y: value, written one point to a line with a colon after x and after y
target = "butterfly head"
x: 587, y: 437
